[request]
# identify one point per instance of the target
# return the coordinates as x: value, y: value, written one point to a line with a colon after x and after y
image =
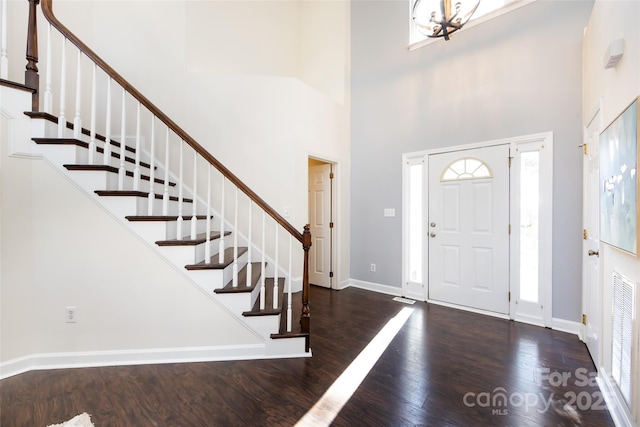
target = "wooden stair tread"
x: 54, y: 119
x: 113, y: 169
x: 213, y: 263
x: 135, y: 193
x: 106, y: 168
x: 268, y: 297
x: 77, y: 142
x: 242, y: 280
x: 151, y: 218
x: 187, y: 241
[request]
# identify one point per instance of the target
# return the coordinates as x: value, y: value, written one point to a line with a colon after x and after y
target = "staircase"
x: 166, y: 188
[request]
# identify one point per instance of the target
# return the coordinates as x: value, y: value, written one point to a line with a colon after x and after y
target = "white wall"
x: 250, y: 88
x: 616, y: 87
x: 256, y: 84
x: 515, y: 75
x: 59, y: 249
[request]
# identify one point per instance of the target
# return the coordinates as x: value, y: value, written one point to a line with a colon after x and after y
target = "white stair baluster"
x: 106, y: 160
x: 289, y: 288
x: 48, y: 98
x: 62, y: 120
x: 136, y: 170
x: 235, y: 242
x: 221, y: 243
x: 275, y: 274
x: 180, y: 190
x: 262, y: 263
x: 207, y: 248
x: 77, y: 120
x: 152, y: 172
x: 165, y: 195
x: 123, y: 136
x: 249, y: 247
x: 194, y: 218
x: 92, y: 131
x: 4, y: 61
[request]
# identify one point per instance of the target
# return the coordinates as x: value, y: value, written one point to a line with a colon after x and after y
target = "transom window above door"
x: 466, y: 168
x: 486, y: 10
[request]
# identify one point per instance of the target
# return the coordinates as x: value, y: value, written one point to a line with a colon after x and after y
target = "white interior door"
x: 320, y: 223
x: 590, y: 245
x: 469, y: 228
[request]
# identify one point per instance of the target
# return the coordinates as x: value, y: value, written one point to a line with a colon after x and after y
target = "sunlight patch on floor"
x: 327, y: 408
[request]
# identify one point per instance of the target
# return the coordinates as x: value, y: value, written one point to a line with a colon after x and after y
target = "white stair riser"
x: 185, y: 255
x: 105, y: 180
x: 212, y: 279
x: 129, y: 205
x: 154, y: 231
x: 236, y: 302
x: 264, y: 325
x: 288, y: 346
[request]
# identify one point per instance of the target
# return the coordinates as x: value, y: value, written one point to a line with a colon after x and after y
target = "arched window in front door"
x: 466, y: 168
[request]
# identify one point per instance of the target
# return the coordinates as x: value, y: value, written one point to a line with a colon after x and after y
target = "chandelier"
x: 441, y: 18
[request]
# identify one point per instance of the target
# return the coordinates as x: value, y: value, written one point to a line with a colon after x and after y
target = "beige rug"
x: 82, y: 420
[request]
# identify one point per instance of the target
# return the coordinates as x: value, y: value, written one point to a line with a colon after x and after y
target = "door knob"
x: 432, y: 234
x: 592, y: 253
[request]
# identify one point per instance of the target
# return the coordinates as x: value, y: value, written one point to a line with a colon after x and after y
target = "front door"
x: 590, y: 256
x: 468, y: 228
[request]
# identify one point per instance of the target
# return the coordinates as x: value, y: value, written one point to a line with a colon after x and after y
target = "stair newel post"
x: 4, y: 60
x: 207, y: 247
x: 180, y: 190
x: 305, y: 318
x: 123, y: 136
x: 136, y: 170
x: 235, y: 241
x: 77, y: 120
x: 31, y: 77
x: 165, y: 195
x: 62, y: 120
x: 263, y: 262
x: 106, y: 159
x: 221, y: 240
x: 92, y: 132
x: 48, y: 98
x: 194, y: 219
x: 275, y: 274
x: 289, y: 286
x: 249, y: 246
x: 152, y: 167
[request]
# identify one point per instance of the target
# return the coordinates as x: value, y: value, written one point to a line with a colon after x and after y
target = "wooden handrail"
x: 47, y: 10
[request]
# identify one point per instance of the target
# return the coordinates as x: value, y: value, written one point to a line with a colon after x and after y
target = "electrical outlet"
x: 286, y: 212
x: 71, y: 314
x: 373, y: 267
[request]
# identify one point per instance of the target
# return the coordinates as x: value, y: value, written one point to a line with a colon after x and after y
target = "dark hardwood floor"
x: 444, y: 368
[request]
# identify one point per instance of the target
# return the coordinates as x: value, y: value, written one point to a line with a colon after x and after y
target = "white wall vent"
x: 622, y: 336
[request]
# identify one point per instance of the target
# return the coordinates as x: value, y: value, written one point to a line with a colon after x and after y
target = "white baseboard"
x: 133, y: 357
x: 370, y: 286
x: 615, y: 403
x: 566, y: 326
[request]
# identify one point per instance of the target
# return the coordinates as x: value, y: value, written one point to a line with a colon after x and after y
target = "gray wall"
x: 515, y: 75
